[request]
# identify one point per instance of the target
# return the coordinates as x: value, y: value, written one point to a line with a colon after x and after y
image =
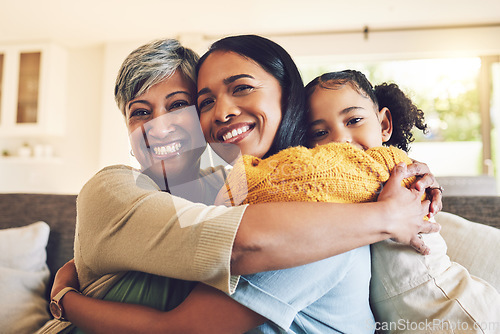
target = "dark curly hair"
x: 405, y: 114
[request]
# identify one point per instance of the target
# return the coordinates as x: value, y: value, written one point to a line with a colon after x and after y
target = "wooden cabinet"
x: 32, y: 90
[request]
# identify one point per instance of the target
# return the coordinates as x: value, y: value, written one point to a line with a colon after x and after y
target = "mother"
x: 268, y: 106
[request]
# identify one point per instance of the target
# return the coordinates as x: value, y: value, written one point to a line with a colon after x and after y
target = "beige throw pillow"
x: 23, y: 278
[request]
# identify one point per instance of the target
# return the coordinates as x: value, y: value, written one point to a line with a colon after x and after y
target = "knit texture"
x: 336, y: 172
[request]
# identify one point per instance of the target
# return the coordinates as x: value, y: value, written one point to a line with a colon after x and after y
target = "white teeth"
x: 162, y: 150
x: 235, y: 132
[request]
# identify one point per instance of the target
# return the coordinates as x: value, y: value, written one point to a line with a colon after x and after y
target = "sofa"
x: 466, y: 214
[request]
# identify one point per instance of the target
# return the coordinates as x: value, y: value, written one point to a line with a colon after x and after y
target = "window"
x: 448, y: 90
x: 29, y: 77
x: 1, y: 84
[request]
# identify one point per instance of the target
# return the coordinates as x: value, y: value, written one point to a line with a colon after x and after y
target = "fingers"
x: 418, y: 169
x: 419, y: 245
x: 425, y: 207
x: 429, y: 227
x: 397, y: 175
x: 426, y: 181
x: 436, y: 197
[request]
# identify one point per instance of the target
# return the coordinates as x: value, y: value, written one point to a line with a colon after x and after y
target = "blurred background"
x: 58, y: 61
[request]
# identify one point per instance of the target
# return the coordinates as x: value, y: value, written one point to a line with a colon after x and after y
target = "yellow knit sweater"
x: 335, y: 172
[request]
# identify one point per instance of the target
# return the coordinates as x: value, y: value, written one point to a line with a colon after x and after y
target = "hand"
x: 406, y: 210
x: 427, y: 181
x: 66, y: 276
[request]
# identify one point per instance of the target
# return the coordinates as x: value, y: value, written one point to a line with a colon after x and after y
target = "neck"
x: 186, y: 184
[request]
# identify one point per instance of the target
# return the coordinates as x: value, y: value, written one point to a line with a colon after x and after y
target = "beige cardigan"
x: 125, y: 223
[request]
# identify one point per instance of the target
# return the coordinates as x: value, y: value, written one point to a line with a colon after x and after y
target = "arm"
x: 276, y: 237
x: 112, y: 204
x: 206, y: 310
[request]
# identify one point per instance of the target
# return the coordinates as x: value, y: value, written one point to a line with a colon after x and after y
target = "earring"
x: 132, y: 153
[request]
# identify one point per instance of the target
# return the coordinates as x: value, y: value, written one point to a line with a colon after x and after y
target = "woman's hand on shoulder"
x: 406, y: 210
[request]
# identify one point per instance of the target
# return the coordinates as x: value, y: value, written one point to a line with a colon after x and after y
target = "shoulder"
x: 117, y: 179
x: 121, y: 174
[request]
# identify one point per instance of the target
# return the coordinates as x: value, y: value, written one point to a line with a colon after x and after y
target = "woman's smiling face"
x: 239, y: 104
x: 164, y: 131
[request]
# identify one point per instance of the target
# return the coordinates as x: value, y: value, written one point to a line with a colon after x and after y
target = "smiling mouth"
x: 235, y: 132
x: 167, y: 150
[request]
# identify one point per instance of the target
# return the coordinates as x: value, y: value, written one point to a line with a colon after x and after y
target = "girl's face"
x: 344, y: 115
x: 239, y: 104
x: 164, y: 131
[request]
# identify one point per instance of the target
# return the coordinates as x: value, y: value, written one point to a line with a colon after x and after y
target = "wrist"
x: 56, y: 307
x: 386, y: 213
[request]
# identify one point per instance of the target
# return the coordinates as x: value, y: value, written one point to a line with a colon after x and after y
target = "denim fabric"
x: 328, y: 296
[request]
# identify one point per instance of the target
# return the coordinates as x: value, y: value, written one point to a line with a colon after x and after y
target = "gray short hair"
x: 150, y: 64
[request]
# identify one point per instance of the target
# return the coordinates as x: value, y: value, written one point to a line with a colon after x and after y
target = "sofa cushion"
x: 475, y: 246
x: 59, y: 211
x: 23, y: 278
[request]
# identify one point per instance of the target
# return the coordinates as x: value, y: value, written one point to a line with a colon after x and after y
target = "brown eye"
x: 178, y: 104
x: 315, y: 135
x: 205, y: 104
x: 140, y: 113
x: 353, y: 121
x: 242, y: 88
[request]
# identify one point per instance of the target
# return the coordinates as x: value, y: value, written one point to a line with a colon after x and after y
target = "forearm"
x: 125, y: 227
x: 100, y: 316
x: 281, y: 235
x: 205, y: 310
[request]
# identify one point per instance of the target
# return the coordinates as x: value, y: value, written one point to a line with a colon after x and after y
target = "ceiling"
x: 96, y: 21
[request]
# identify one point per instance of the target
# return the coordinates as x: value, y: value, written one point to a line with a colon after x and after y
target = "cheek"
x: 135, y: 135
x: 205, y: 126
x: 193, y: 128
x: 273, y: 114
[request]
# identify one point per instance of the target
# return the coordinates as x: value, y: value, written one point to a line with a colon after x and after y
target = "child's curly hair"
x: 405, y: 114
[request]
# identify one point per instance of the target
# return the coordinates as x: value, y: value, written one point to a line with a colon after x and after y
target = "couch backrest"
x: 479, y: 209
x: 58, y: 211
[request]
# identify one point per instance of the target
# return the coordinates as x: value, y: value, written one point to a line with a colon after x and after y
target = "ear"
x: 385, y: 117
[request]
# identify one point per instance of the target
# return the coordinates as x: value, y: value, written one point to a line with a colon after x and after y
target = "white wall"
x: 77, y: 150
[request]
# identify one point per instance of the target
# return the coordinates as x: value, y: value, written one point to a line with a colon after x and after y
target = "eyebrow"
x: 233, y: 78
x: 316, y: 122
x: 166, y: 97
x: 349, y: 109
x: 177, y: 92
x: 226, y: 81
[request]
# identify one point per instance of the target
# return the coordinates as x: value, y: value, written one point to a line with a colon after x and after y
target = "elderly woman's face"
x: 164, y: 128
x: 239, y: 104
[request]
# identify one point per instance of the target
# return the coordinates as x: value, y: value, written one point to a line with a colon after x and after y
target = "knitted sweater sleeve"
x: 124, y: 223
x: 339, y: 173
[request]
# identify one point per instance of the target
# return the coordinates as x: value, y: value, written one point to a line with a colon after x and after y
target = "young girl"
x: 349, y: 123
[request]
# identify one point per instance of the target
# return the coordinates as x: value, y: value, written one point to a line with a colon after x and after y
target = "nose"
x: 341, y: 136
x: 225, y: 109
x: 161, y: 126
